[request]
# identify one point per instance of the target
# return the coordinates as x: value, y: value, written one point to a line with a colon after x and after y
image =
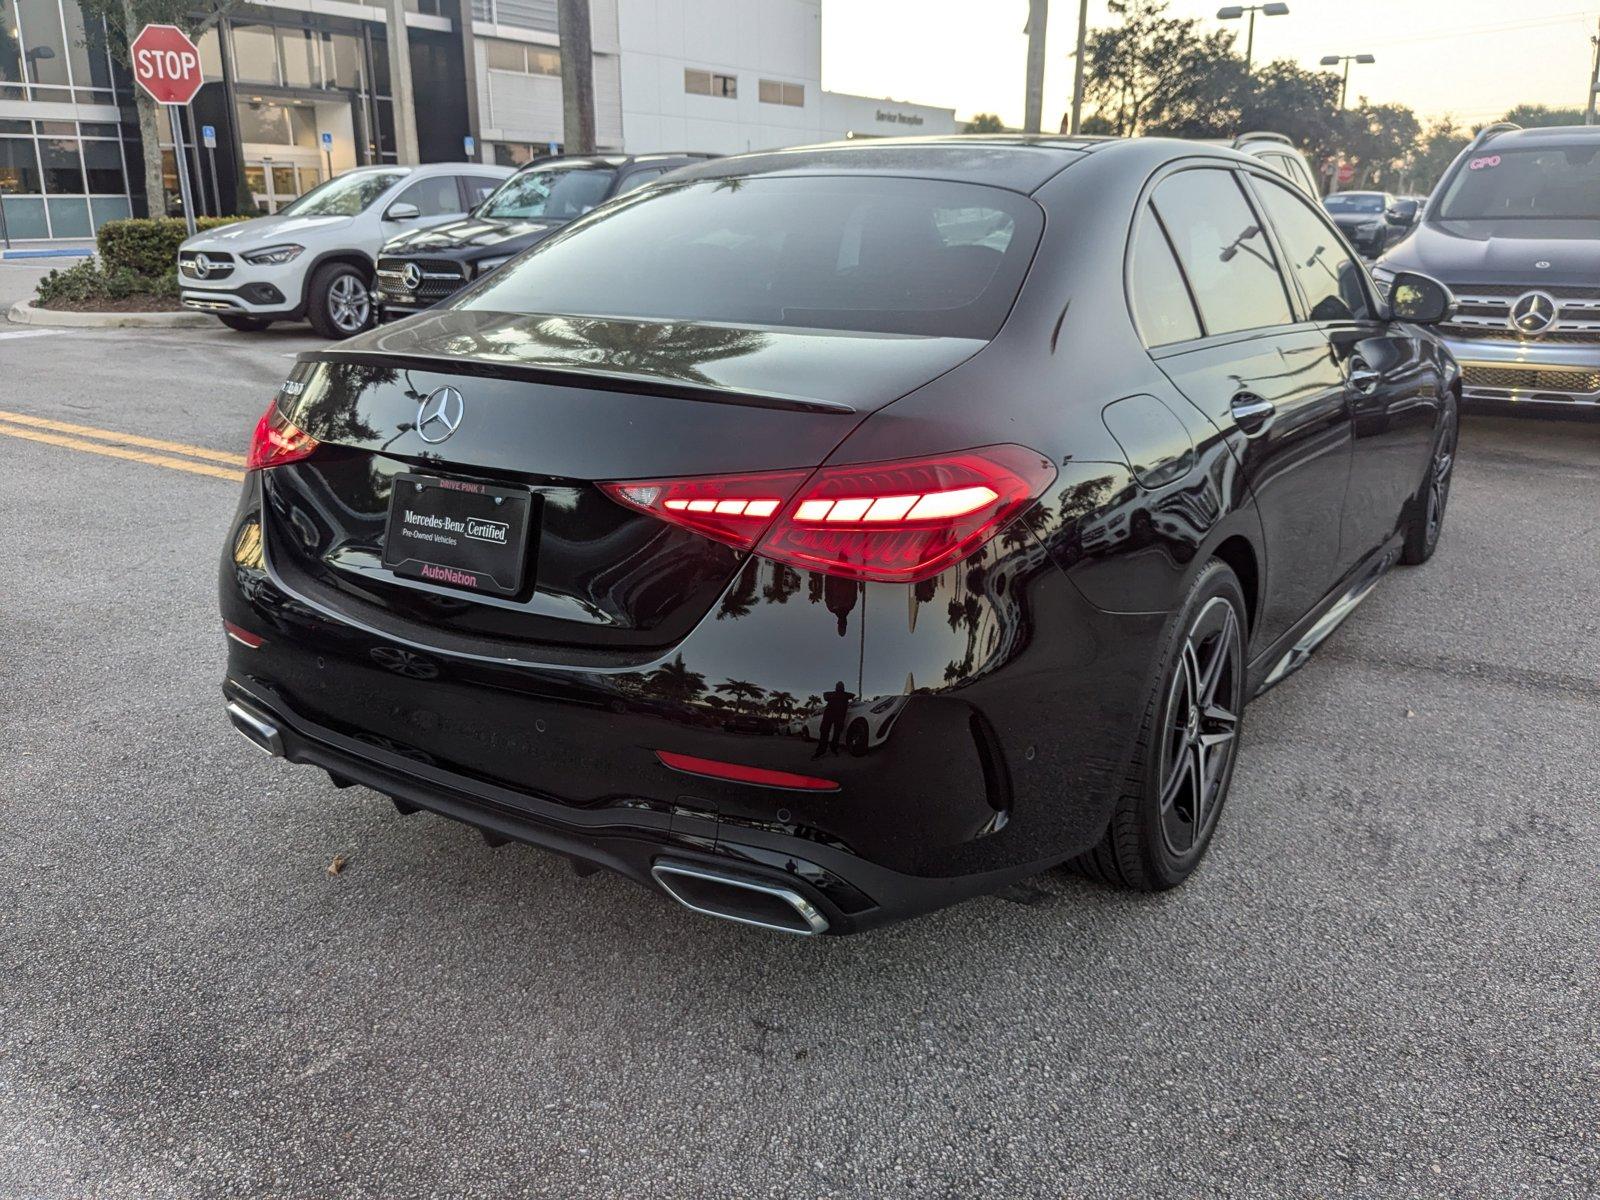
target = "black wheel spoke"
x: 1201, y: 725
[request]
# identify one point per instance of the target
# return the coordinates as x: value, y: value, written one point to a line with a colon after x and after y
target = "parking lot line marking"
x: 143, y: 456
x: 132, y: 439
x: 22, y: 333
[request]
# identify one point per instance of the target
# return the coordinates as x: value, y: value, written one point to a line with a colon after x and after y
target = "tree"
x: 985, y: 123
x: 1379, y: 138
x: 1533, y: 116
x: 1158, y: 74
x: 1304, y: 105
x: 125, y: 18
x: 1434, y: 152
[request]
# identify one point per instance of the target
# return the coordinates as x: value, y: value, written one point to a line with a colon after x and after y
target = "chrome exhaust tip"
x: 256, y: 729
x: 744, y: 901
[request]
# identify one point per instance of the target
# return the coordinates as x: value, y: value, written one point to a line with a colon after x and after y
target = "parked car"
x: 1281, y: 154
x: 1365, y: 218
x: 1514, y: 227
x: 423, y: 266
x: 845, y: 422
x: 313, y: 260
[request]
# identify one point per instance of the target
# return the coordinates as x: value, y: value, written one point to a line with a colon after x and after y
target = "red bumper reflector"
x: 760, y: 776
x: 243, y: 636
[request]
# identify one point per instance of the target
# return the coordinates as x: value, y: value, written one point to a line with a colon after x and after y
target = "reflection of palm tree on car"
x: 678, y: 681
x: 741, y: 692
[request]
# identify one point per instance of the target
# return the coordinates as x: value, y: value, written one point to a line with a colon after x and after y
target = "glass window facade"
x: 63, y: 179
x: 49, y: 51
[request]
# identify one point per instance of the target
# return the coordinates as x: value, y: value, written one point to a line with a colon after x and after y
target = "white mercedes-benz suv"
x: 313, y: 260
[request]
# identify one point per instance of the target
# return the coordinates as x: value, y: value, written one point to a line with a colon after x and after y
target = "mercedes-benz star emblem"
x: 1533, y: 313
x: 202, y: 265
x: 411, y: 276
x: 440, y: 415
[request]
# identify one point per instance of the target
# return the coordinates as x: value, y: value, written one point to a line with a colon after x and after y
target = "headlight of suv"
x: 273, y: 255
x: 485, y: 265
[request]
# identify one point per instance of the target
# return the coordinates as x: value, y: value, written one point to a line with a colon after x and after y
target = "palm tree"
x: 741, y: 692
x: 781, y: 703
x: 677, y: 681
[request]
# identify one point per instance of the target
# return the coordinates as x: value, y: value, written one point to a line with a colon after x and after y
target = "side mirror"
x: 1420, y: 299
x: 402, y: 212
x: 1394, y: 216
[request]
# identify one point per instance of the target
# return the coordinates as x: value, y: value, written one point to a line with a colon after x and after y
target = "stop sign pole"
x: 166, y: 64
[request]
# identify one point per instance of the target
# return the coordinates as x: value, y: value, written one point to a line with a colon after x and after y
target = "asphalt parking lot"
x: 1385, y: 981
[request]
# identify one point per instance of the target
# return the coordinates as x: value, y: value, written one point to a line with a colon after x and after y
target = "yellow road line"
x: 143, y: 456
x: 131, y: 439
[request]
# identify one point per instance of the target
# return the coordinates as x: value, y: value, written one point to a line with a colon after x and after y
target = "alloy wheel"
x: 349, y: 303
x: 1201, y: 726
x: 1444, y: 459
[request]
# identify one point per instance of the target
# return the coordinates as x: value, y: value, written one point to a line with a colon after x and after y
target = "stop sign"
x: 166, y: 64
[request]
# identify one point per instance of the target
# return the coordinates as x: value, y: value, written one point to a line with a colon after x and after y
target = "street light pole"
x: 1077, y: 70
x: 1333, y: 60
x: 1033, y: 101
x: 1594, y: 81
x: 1232, y: 12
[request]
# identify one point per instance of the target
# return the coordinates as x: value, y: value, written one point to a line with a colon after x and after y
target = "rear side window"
x: 1223, y: 251
x: 433, y: 197
x: 1160, y: 299
x: 638, y: 179
x: 854, y: 253
x: 1330, y: 279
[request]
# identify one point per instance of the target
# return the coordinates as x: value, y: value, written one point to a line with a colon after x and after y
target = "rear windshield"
x: 1558, y: 182
x: 556, y: 192
x: 848, y: 253
x: 1353, y: 204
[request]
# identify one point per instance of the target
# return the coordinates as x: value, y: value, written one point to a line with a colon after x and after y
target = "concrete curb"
x: 24, y: 313
x: 22, y: 255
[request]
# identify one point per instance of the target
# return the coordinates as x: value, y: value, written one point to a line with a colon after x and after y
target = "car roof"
x: 1544, y: 133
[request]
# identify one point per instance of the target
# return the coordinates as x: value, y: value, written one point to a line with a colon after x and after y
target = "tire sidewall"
x: 1165, y: 868
x: 321, y: 314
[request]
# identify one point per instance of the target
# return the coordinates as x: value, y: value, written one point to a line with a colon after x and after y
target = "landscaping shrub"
x: 87, y: 283
x: 148, y: 246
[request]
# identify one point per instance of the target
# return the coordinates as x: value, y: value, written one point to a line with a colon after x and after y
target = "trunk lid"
x: 555, y: 405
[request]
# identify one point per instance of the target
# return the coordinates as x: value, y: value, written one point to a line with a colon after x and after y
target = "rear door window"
x: 1159, y: 297
x: 638, y: 179
x: 1223, y: 250
x: 480, y: 188
x: 868, y: 254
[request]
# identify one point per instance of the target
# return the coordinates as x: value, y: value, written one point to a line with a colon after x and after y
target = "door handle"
x: 1250, y: 412
x: 1363, y: 378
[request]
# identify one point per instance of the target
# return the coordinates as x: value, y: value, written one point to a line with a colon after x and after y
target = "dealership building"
x: 298, y: 89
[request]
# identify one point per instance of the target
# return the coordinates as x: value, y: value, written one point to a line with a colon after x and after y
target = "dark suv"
x: 1514, y: 229
x: 418, y: 269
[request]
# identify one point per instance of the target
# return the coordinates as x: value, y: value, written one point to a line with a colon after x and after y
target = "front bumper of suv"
x: 231, y: 286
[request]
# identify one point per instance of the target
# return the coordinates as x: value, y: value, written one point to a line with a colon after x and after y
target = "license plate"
x: 472, y: 536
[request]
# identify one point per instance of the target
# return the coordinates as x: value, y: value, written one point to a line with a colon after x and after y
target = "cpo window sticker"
x: 1486, y: 161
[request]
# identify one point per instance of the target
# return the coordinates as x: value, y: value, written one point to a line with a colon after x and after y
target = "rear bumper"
x: 650, y: 844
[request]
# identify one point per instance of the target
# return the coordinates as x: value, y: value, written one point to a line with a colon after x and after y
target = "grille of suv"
x: 1484, y: 314
x: 440, y: 278
x: 1530, y: 379
x: 219, y: 265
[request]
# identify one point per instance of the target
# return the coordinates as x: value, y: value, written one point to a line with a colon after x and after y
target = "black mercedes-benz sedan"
x: 829, y: 535
x: 418, y: 269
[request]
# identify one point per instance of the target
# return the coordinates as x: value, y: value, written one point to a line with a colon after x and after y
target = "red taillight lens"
x: 277, y: 441
x: 895, y: 522
x: 730, y: 508
x: 904, y: 521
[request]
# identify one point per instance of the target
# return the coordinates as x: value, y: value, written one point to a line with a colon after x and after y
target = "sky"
x: 1472, y: 59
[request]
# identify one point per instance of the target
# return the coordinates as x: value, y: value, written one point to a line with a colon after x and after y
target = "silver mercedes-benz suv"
x: 1513, y: 229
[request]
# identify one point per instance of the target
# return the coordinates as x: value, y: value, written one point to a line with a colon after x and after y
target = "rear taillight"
x: 277, y: 441
x: 889, y: 521
x: 730, y: 508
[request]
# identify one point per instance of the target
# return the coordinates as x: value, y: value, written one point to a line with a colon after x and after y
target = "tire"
x: 1157, y: 835
x: 245, y: 324
x: 339, y: 302
x: 1426, y: 522
x: 856, y: 738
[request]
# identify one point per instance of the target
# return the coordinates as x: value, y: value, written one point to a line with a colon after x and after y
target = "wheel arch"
x: 1236, y: 551
x: 355, y: 258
